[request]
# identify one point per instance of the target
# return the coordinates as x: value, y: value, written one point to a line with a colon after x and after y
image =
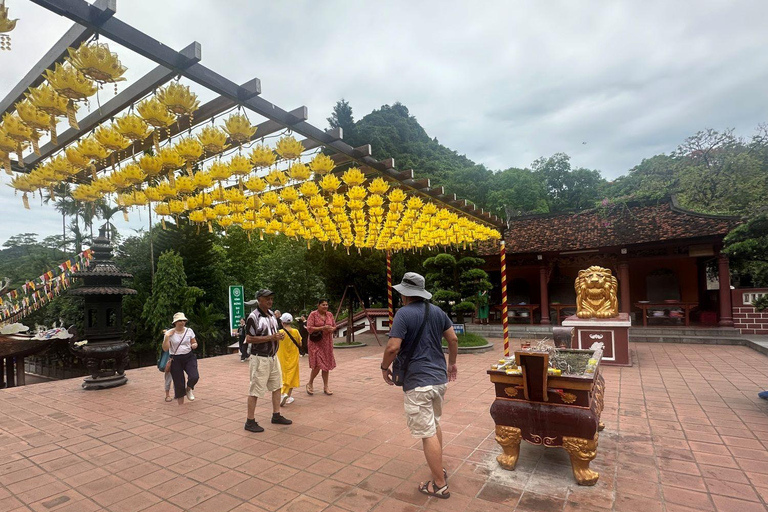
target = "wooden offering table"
x: 667, y: 309
x: 535, y: 404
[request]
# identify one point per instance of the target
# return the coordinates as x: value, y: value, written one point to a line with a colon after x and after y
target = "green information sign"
x: 236, y: 308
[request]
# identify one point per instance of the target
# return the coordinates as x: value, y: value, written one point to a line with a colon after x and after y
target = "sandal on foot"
x: 169, y: 399
x: 327, y: 391
x: 445, y: 475
x: 310, y: 391
x: 437, y: 492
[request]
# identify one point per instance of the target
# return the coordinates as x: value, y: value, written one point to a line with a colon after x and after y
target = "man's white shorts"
x: 423, y: 408
x: 266, y: 375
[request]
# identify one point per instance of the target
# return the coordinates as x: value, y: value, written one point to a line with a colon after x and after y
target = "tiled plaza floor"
x: 683, y: 434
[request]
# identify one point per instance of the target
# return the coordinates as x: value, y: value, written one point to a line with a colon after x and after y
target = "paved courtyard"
x: 684, y: 431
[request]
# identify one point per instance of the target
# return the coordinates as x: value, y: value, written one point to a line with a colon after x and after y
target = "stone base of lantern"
x: 113, y: 381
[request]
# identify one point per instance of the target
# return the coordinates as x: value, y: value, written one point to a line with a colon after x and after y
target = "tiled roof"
x: 620, y: 225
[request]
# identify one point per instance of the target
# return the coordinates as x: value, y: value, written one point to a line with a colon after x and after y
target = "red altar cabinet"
x: 613, y: 333
x: 552, y: 398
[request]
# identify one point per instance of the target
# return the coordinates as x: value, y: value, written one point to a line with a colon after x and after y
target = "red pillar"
x: 625, y: 306
x: 724, y: 278
x: 543, y: 270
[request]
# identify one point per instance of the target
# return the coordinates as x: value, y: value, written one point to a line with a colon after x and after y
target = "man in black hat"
x: 415, y: 344
x: 263, y: 339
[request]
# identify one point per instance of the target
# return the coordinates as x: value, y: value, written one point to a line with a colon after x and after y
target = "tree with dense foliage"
x: 747, y: 250
x: 456, y: 284
x: 341, y: 117
x: 169, y: 294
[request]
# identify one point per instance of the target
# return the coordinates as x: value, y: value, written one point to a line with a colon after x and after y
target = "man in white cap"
x: 415, y: 345
x: 263, y: 338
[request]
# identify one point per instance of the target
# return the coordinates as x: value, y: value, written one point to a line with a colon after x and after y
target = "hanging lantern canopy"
x: 22, y: 184
x: 170, y: 161
x: 152, y: 194
x: 133, y: 174
x: 330, y: 183
x: 132, y: 127
x: 322, y: 164
x: 91, y: 149
x: 309, y: 189
x: 239, y: 128
x: 157, y: 115
x: 185, y: 185
x: 178, y: 99
x: 73, y: 85
x: 213, y: 139
x: 262, y: 156
x: 49, y: 101
x: 271, y: 199
x: 289, y: 148
x: 240, y: 166
x: 289, y: 194
x: 202, y: 180
x: 111, y: 139
x: 76, y: 159
x: 219, y: 172
x: 62, y: 168
x: 189, y: 150
x: 95, y: 61
x: 6, y: 25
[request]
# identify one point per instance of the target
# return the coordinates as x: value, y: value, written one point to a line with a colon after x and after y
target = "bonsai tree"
x: 457, y: 284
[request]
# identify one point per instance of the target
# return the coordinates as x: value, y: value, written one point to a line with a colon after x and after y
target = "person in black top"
x: 241, y: 341
x: 263, y: 339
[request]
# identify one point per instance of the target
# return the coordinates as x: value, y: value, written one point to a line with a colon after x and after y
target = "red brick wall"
x: 745, y: 318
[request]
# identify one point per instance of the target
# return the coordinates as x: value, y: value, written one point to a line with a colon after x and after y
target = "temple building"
x: 667, y: 260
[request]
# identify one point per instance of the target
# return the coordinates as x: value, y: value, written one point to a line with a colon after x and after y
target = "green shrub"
x: 469, y: 340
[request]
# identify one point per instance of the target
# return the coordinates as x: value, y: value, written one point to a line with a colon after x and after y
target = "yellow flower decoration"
x: 289, y: 148
x: 309, y: 189
x: 165, y: 190
x: 176, y: 207
x: 378, y: 186
x: 276, y: 178
x: 177, y: 98
x: 151, y: 165
x: 90, y: 148
x: 213, y: 139
x: 255, y: 184
x: 322, y: 164
x: 299, y: 172
x: 330, y: 183
x: 219, y: 171
x: 289, y: 194
x: 153, y: 194
x: 353, y: 176
x: 262, y: 156
x: 185, y: 185
x: 270, y: 198
x: 95, y: 61
x: 132, y: 127
x: 170, y: 159
x: 265, y: 212
x: 396, y: 196
x: 239, y: 128
x: 240, y: 165
x: 197, y: 216
x: 155, y: 113
x: 188, y: 150
x: 233, y: 195
x: 111, y: 139
x: 202, y: 180
x: 221, y: 210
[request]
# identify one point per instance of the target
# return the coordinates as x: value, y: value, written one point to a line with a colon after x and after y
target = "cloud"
x: 502, y: 82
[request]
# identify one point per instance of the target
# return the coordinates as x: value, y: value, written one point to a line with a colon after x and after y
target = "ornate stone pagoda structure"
x: 106, y: 353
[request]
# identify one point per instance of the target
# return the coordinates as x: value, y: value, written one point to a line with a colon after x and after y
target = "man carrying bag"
x: 415, y: 340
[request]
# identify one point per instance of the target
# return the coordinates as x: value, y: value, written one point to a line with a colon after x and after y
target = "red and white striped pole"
x: 390, y: 304
x: 504, y: 318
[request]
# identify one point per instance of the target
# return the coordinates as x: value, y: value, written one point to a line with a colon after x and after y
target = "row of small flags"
x: 33, y: 295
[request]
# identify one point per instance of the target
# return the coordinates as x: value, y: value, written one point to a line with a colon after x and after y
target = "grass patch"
x: 345, y: 344
x: 469, y: 340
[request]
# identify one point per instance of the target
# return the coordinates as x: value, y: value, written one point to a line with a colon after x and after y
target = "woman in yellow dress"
x: 288, y: 355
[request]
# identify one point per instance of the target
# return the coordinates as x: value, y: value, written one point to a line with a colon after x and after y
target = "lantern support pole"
x: 504, y: 317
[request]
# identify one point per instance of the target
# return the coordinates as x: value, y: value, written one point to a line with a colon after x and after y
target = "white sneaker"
x: 283, y: 399
x: 190, y: 394
x: 289, y: 400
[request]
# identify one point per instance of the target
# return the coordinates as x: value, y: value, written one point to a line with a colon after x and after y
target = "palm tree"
x: 204, y: 320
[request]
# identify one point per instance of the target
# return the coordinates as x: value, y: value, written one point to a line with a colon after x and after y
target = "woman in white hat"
x: 180, y: 341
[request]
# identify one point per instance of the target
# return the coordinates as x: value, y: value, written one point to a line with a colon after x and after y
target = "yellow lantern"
x: 6, y: 25
x: 178, y: 99
x: 309, y: 189
x: 171, y: 161
x: 95, y: 61
x: 276, y: 178
x: 240, y: 166
x: 203, y: 180
x: 239, y: 128
x: 132, y: 127
x: 134, y: 174
x: 353, y: 176
x: 255, y: 184
x: 270, y: 198
x: 72, y: 84
x: 330, y: 183
x: 189, y: 150
x: 322, y: 164
x: 62, y: 168
x: 156, y: 115
x: 213, y: 139
x: 111, y: 139
x: 299, y: 172
x: 20, y: 133
x: 289, y: 148
x: 49, y: 101
x: 35, y: 119
x: 151, y: 165
x: 262, y: 156
x: 184, y: 185
x: 219, y: 171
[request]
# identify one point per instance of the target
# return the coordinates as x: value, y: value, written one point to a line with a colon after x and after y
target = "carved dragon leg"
x: 582, y: 451
x: 509, y: 439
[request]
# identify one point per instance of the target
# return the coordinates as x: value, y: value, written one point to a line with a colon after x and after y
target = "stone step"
x: 681, y: 338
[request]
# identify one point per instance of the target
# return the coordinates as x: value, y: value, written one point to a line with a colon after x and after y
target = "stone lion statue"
x: 596, y: 293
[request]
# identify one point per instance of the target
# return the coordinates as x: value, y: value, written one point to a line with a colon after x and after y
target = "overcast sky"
x: 503, y: 82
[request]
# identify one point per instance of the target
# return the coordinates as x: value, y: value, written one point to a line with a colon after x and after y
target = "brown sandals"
x: 436, y: 492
